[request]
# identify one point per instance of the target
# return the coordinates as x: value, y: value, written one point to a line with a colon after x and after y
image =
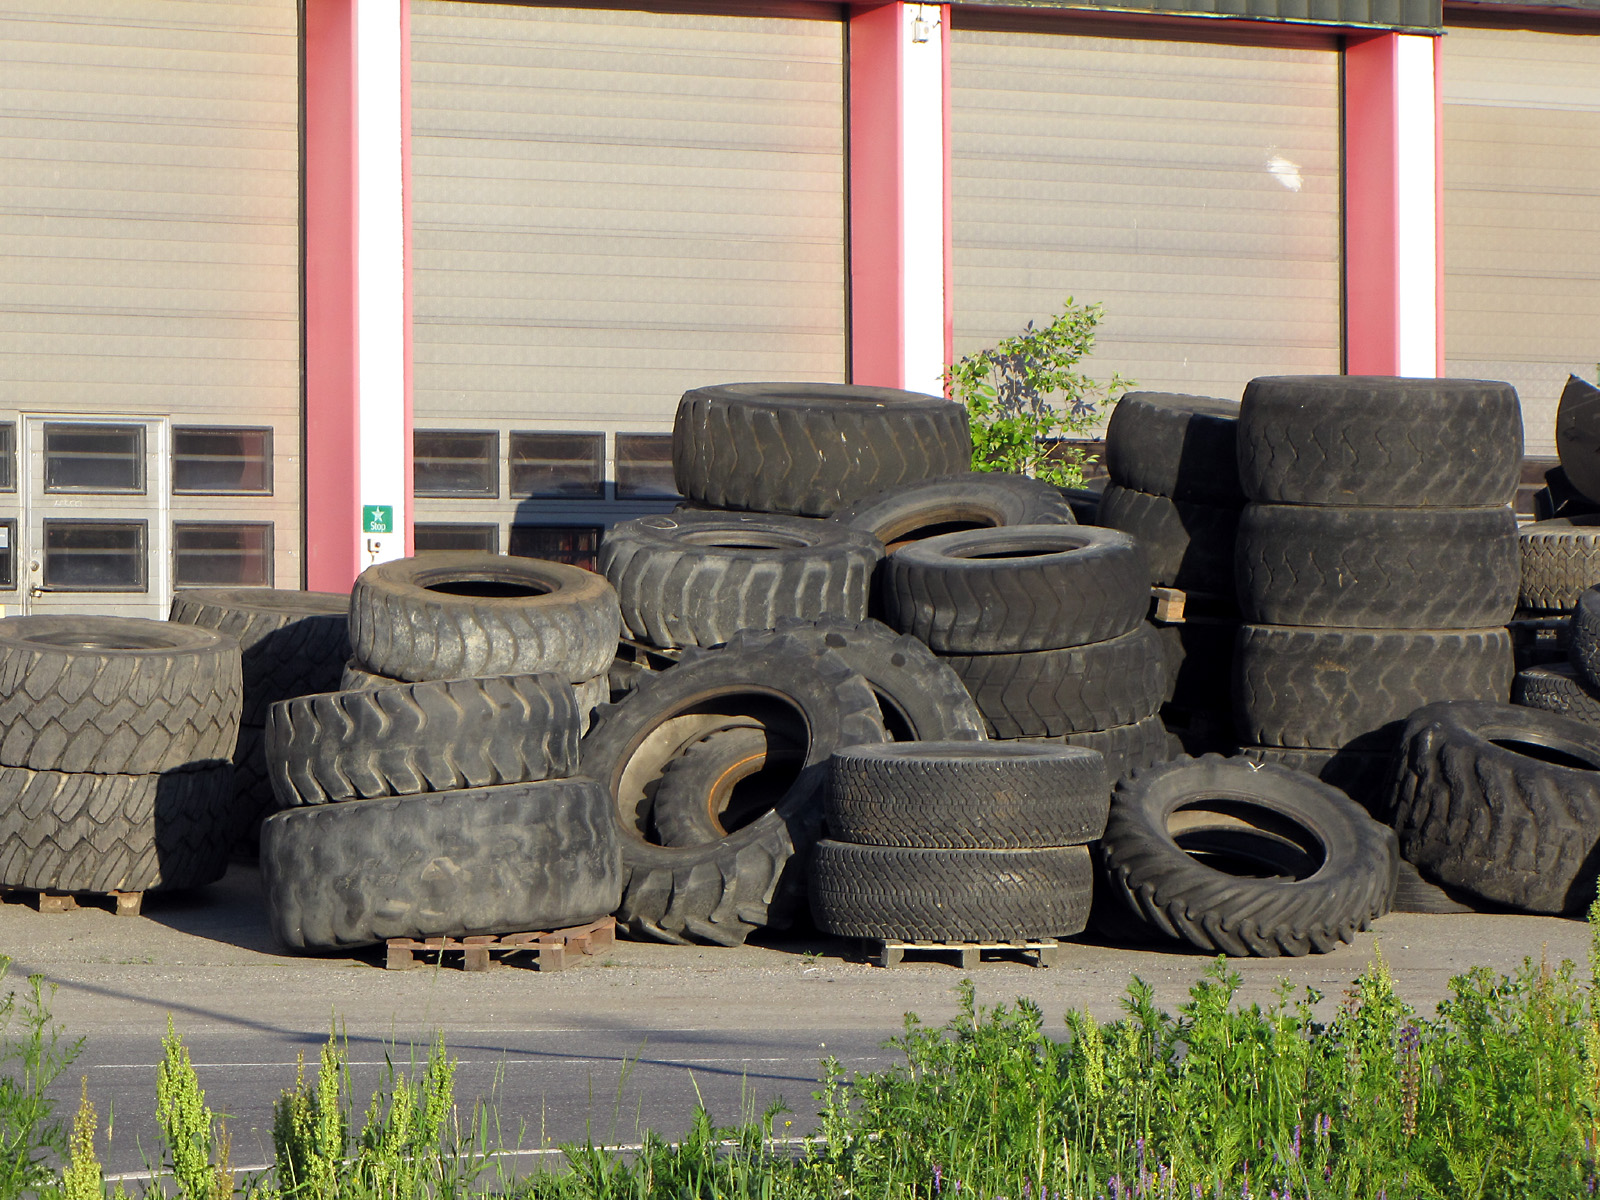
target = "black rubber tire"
x: 1084, y: 502
x: 293, y: 643
x: 1366, y: 777
x: 590, y: 694
x: 1046, y: 693
x: 1350, y: 861
x: 1557, y: 688
x: 439, y: 736
x: 1175, y: 445
x: 1378, y: 568
x: 252, y: 787
x: 116, y: 695
x: 1583, y: 637
x: 724, y: 891
x: 356, y: 678
x: 77, y: 832
x: 1558, y: 498
x: 973, y: 500
x: 1379, y: 441
x: 1188, y: 546
x: 548, y: 617
x: 913, y: 894
x: 1327, y: 688
x: 967, y: 795
x: 1560, y: 561
x: 1128, y: 747
x: 1027, y: 587
x: 1519, y: 829
x: 1578, y: 436
x: 1199, y: 732
x: 509, y: 859
x: 1538, y: 641
x: 705, y: 791
x: 1414, y: 894
x: 696, y: 579
x: 1199, y: 654
x: 811, y: 448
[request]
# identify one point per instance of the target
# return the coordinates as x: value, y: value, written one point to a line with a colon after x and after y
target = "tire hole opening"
x: 90, y: 641
x: 487, y: 589
x: 731, y: 539
x: 1554, y: 755
x: 895, y: 720
x: 1245, y: 840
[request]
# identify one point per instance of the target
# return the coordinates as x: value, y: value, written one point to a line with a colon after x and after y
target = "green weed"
x: 33, y: 1055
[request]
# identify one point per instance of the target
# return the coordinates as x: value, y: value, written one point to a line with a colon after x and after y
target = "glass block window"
x: 212, y: 554
x: 575, y: 544
x: 457, y: 537
x: 95, y: 556
x: 563, y: 465
x: 644, y: 467
x: 93, y: 458
x: 451, y: 462
x: 8, y: 457
x: 221, y: 460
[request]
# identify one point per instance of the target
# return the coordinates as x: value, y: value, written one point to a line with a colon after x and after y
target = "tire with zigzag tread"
x: 1168, y: 444
x: 1557, y: 688
x: 1560, y: 561
x: 1188, y: 545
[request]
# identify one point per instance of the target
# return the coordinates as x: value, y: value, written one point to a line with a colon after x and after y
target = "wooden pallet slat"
x: 890, y: 952
x: 123, y: 904
x: 481, y: 951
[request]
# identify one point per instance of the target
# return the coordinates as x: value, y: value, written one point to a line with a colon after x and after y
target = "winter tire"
x: 1578, y: 436
x: 509, y: 859
x: 974, y: 500
x: 1502, y: 802
x: 1027, y: 587
x: 439, y: 736
x: 1378, y: 568
x: 1381, y: 442
x: 1246, y: 858
x: 811, y: 448
x: 1174, y: 445
x: 116, y: 695
x: 967, y: 795
x: 913, y: 894
x: 1127, y: 747
x: 461, y: 614
x: 1189, y: 546
x: 1560, y: 561
x: 1557, y: 688
x: 696, y: 579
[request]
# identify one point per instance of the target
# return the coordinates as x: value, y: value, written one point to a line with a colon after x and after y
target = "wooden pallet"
x: 1041, y: 952
x: 1170, y: 606
x: 124, y: 904
x: 480, y: 953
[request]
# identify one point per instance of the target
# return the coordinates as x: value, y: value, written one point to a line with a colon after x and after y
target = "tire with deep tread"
x: 292, y: 643
x: 706, y: 789
x: 974, y: 499
x: 1189, y: 546
x: 1578, y: 436
x: 1350, y: 859
x: 1583, y: 641
x: 1127, y: 747
x: 1174, y: 445
x: 967, y: 795
x: 1477, y: 813
x: 1414, y: 894
x: 1560, y: 561
x: 252, y: 785
x: 1379, y: 441
x: 1557, y: 688
x: 356, y: 678
x: 1027, y: 587
x: 1327, y: 688
x: 116, y: 695
x: 1378, y: 568
x: 696, y: 579
x: 437, y: 736
x: 950, y: 895
x: 1366, y: 777
x: 723, y: 891
x: 77, y: 832
x: 811, y: 448
x: 548, y: 617
x: 480, y: 861
x: 1045, y: 693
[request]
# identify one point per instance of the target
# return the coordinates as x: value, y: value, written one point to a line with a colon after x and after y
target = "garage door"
x: 1192, y: 188
x: 1522, y: 213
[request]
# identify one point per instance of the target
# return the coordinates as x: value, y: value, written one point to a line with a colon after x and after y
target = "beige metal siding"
x: 1522, y: 213
x: 149, y: 207
x: 1192, y: 188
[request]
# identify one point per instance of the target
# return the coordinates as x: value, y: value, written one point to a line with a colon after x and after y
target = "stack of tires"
x: 1377, y: 563
x: 1570, y: 687
x: 293, y: 644
x: 959, y: 842
x: 115, y: 740
x: 1174, y: 486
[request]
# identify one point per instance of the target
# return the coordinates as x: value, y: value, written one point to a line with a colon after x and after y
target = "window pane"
x: 94, y: 556
x: 212, y: 555
x: 455, y: 463
x: 8, y: 457
x: 94, y: 458
x: 221, y: 460
x: 568, y: 465
x: 8, y: 555
x: 457, y: 537
x: 644, y: 467
x: 575, y: 544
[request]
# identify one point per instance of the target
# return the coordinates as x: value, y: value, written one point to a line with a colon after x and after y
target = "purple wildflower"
x: 938, y: 1179
x: 1295, y: 1149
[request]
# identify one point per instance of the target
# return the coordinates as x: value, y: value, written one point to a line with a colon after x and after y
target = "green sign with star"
x: 377, y: 518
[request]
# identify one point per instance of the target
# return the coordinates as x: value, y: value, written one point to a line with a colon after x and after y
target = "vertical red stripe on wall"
x: 1438, y: 200
x: 331, y: 502
x: 949, y: 227
x: 877, y: 315
x: 405, y: 211
x: 1371, y: 206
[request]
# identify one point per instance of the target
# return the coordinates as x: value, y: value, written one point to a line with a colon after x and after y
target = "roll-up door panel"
x: 1192, y: 188
x: 1522, y: 213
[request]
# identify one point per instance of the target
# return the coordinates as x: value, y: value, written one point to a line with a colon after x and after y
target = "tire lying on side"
x: 696, y: 579
x: 1184, y: 840
x: 811, y: 448
x: 441, y: 735
x: 1188, y: 546
x: 973, y: 500
x: 722, y: 891
x: 1560, y: 561
x: 1128, y: 747
x: 1502, y: 802
x: 116, y: 695
x: 462, y: 614
x: 1174, y: 445
x: 1557, y: 688
x: 508, y: 859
